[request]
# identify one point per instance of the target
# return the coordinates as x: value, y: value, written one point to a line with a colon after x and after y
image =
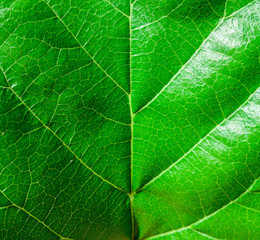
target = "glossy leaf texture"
x: 129, y: 119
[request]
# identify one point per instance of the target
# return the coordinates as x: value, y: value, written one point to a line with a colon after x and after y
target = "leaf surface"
x: 129, y: 119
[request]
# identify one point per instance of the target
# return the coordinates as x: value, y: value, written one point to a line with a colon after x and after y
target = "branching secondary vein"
x: 48, y: 128
x: 192, y: 225
x: 84, y: 48
x: 190, y: 59
x: 34, y: 217
x: 191, y: 149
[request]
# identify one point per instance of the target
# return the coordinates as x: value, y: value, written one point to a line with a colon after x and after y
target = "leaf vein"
x: 48, y: 128
x: 190, y: 59
x: 116, y: 8
x: 206, y: 217
x: 197, y: 144
x: 103, y: 70
x: 34, y: 217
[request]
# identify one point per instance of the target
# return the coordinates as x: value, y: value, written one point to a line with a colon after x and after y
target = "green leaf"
x: 129, y: 119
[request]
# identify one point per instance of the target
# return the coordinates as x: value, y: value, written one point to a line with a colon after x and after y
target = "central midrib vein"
x: 131, y: 195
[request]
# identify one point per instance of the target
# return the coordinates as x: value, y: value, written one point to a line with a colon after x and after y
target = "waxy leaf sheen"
x: 123, y: 120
